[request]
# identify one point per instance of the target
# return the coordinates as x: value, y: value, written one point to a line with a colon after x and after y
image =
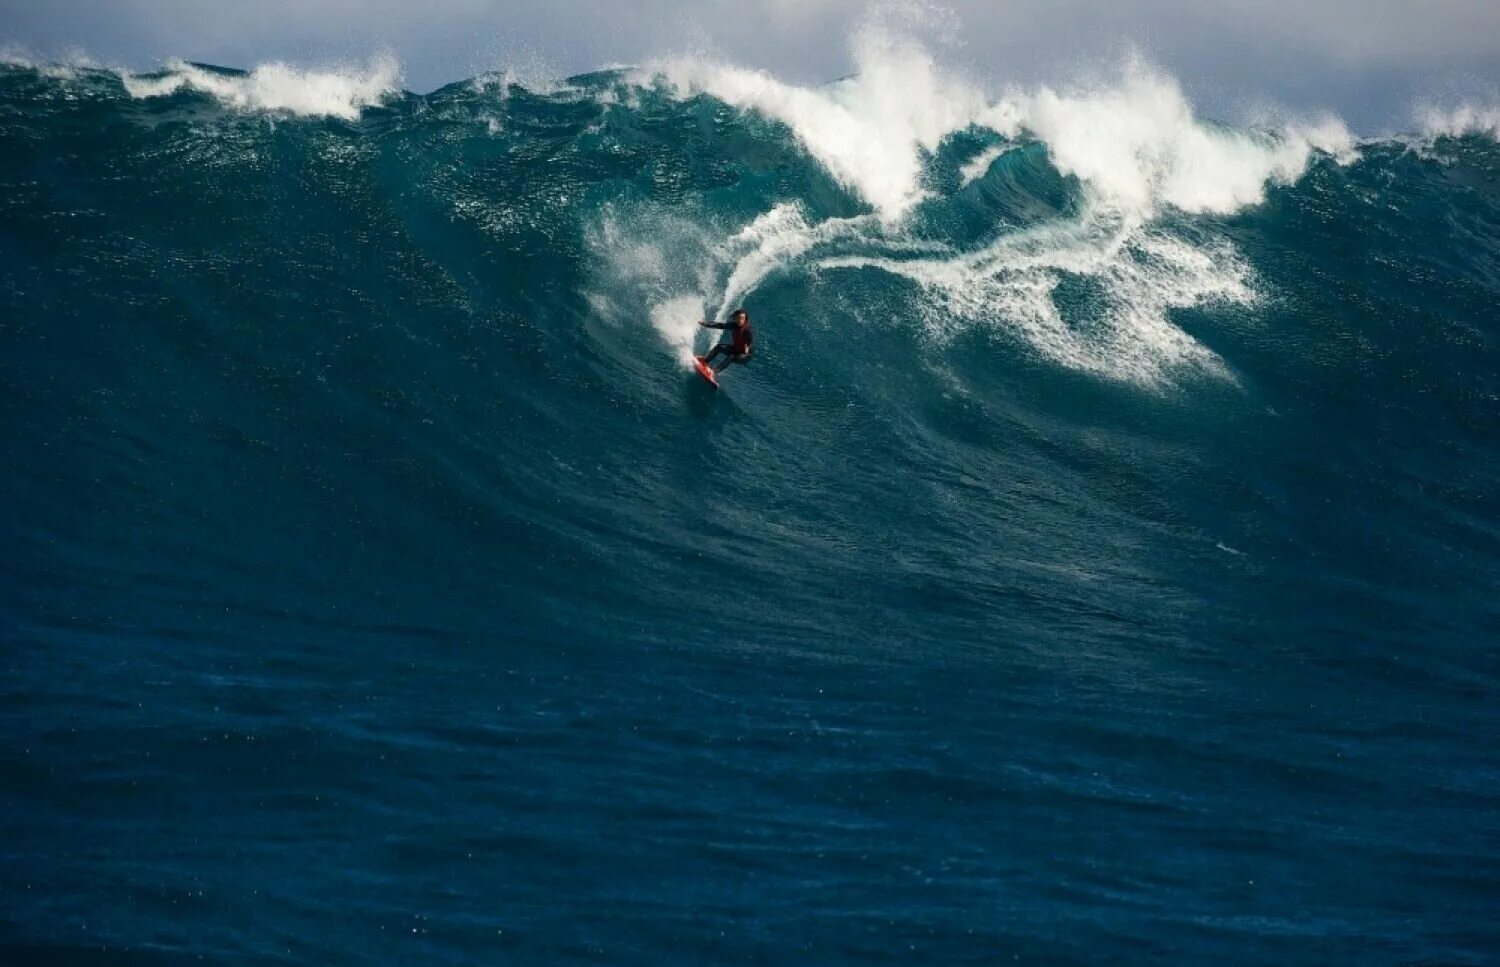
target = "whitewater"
x: 1098, y: 559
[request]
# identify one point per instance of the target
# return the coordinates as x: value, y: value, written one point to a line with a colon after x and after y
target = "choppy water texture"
x: 1097, y: 563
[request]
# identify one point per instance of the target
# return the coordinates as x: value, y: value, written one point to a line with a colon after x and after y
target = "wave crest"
x: 1136, y: 143
x: 1139, y: 146
x: 279, y: 87
x: 1461, y: 120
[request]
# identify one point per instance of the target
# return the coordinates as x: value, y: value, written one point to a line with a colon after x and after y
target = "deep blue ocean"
x: 1098, y: 561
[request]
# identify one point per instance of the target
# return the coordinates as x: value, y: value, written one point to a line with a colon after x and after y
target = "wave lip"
x: 1136, y: 144
x: 279, y: 87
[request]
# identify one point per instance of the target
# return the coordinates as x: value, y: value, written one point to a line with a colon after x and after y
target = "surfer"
x: 741, y: 344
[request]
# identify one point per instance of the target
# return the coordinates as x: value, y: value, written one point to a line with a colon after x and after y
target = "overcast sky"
x: 1368, y: 60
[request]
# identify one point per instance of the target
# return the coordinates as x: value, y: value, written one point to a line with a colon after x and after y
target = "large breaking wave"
x: 1113, y: 486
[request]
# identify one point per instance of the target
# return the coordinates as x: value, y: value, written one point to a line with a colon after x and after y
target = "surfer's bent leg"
x: 732, y: 357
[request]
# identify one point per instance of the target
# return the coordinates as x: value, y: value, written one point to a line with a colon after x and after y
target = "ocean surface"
x: 1099, y: 561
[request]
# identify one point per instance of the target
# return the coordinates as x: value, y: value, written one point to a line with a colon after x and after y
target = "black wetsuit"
x: 738, y: 350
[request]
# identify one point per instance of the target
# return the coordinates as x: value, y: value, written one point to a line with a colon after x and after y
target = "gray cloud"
x: 1366, y: 59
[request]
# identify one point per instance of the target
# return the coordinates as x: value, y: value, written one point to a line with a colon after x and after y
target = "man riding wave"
x: 740, y: 345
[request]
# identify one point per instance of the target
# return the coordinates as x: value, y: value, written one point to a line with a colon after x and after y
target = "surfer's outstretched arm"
x: 715, y: 325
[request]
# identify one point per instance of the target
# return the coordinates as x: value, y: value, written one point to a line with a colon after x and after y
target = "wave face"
x: 1100, y: 556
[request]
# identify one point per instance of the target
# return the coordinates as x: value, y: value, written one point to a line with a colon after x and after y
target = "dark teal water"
x: 379, y: 588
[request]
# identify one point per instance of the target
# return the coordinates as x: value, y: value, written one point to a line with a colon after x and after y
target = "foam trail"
x: 1142, y: 275
x: 676, y: 267
x: 775, y: 240
x: 279, y: 87
x: 980, y: 165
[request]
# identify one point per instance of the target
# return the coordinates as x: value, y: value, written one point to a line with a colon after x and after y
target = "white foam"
x: 66, y: 68
x: 279, y: 87
x: 866, y: 130
x: 1138, y: 146
x: 1464, y: 119
x: 12, y: 55
x: 649, y: 263
x: 676, y: 319
x: 1135, y: 142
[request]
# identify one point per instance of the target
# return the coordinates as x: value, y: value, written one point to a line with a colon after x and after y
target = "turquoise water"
x: 1098, y: 561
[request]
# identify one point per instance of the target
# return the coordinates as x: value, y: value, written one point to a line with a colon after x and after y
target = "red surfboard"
x: 704, y: 371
